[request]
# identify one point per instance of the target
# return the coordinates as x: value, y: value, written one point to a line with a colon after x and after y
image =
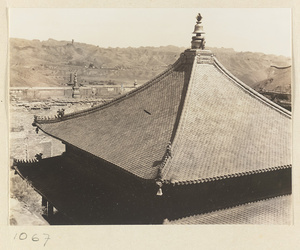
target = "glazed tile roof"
x: 217, y: 125
x: 276, y: 210
x: 226, y: 129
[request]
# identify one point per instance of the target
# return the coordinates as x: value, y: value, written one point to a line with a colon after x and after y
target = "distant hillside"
x: 277, y: 87
x: 49, y: 63
x: 278, y: 80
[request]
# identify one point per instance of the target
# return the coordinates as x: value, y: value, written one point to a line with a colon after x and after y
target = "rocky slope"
x: 278, y: 80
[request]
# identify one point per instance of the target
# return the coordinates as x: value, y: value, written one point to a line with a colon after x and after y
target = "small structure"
x: 71, y: 81
x: 76, y: 92
x: 192, y: 140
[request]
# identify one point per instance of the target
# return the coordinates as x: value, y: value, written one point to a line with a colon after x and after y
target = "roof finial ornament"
x: 198, y: 41
x: 199, y: 17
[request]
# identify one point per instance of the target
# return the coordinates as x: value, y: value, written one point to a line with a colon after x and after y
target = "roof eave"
x: 228, y: 176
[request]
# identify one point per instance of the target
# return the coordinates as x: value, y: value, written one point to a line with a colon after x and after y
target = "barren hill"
x: 278, y: 80
x: 49, y: 63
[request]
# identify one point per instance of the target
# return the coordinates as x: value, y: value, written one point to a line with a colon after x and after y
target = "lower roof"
x: 274, y: 211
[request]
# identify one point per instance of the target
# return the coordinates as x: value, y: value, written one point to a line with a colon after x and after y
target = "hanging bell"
x: 159, y: 192
x: 198, y: 29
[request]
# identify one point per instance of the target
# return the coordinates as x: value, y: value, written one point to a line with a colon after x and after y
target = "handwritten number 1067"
x: 24, y: 236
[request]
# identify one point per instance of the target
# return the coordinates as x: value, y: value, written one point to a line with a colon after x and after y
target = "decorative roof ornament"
x: 199, y: 17
x: 75, y: 80
x: 76, y: 92
x: 198, y: 41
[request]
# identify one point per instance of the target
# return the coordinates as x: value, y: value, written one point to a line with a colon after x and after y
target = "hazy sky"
x: 258, y: 30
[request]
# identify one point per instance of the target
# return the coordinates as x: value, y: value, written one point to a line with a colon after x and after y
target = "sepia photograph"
x: 140, y: 116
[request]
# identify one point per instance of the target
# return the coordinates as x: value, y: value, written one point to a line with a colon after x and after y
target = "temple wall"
x: 27, y: 148
x: 43, y: 93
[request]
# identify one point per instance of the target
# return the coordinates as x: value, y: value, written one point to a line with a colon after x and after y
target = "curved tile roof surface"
x: 226, y: 128
x: 133, y: 131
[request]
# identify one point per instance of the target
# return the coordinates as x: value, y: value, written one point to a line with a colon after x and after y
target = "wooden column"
x: 48, y: 206
x: 44, y: 202
x: 50, y: 209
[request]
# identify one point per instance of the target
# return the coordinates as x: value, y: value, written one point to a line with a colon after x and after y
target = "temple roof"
x: 216, y: 125
x: 193, y: 122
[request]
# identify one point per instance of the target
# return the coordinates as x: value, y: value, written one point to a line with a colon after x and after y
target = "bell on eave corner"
x: 159, y: 192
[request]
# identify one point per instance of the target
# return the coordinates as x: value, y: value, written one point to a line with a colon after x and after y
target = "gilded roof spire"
x: 198, y: 41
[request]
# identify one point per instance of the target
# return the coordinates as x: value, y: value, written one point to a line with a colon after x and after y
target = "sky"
x: 257, y: 30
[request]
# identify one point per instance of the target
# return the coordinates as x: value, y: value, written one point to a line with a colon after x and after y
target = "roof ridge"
x: 250, y: 90
x: 183, y: 98
x: 280, y: 67
x: 226, y: 176
x: 57, y: 118
x: 182, y: 111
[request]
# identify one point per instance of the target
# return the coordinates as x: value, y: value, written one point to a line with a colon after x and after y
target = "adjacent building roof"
x: 276, y: 211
